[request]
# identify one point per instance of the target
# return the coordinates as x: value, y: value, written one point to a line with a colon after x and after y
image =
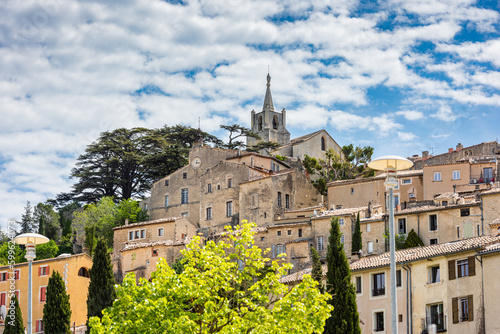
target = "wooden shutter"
x: 471, y: 308
x: 48, y: 270
x: 451, y: 270
x: 16, y: 274
x: 472, y: 266
x: 3, y: 297
x: 37, y: 326
x: 454, y: 307
x: 39, y: 271
x: 273, y: 251
x: 284, y: 249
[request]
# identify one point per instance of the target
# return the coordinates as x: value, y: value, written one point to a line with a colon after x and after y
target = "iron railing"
x: 438, y: 319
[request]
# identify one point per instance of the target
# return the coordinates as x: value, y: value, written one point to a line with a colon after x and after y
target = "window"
x: 368, y: 228
x: 184, y: 196
x: 185, y: 214
x: 462, y: 268
x: 359, y: 288
x: 143, y: 234
x: 435, y: 316
x: 352, y: 191
x: 406, y: 181
x: 43, y: 270
x: 378, y: 321
x: 255, y: 200
x: 167, y: 200
x: 262, y: 238
x: 300, y: 233
x: 323, y: 148
x: 289, y: 232
x: 433, y: 241
x: 398, y: 278
x: 260, y: 123
x: 437, y: 176
x: 458, y: 231
x: 465, y: 212
x: 209, y: 188
x: 230, y: 183
x: 279, y: 198
x: 378, y: 287
x: 185, y: 175
x: 154, y: 253
x: 433, y: 223
x: 43, y: 291
x: 275, y: 122
x: 280, y: 249
x: 167, y: 183
x: 287, y: 201
x: 456, y: 175
x: 434, y: 275
x: 478, y: 231
x: 136, y: 236
x: 488, y: 174
x: 342, y: 239
x: 462, y: 309
x: 278, y: 233
x: 3, y: 276
x: 444, y: 203
x: 83, y: 272
x: 160, y: 232
x: 370, y: 247
x: 209, y: 213
x: 229, y: 209
x: 39, y: 326
x: 402, y: 226
x: 341, y: 221
x: 17, y: 274
x: 396, y: 200
x: 131, y: 235
x: 321, y: 246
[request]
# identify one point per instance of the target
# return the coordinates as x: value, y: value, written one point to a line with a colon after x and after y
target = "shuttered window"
x: 462, y: 309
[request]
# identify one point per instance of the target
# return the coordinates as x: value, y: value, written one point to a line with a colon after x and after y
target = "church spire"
x: 268, y: 100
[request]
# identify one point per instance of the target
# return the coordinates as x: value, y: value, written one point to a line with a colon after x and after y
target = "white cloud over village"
x: 367, y: 73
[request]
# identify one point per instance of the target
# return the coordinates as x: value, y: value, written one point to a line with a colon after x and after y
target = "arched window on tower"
x: 275, y: 122
x: 323, y: 143
x: 83, y: 272
x: 260, y: 123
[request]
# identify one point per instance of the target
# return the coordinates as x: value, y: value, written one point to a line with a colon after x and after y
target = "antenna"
x: 432, y: 150
x: 267, y: 69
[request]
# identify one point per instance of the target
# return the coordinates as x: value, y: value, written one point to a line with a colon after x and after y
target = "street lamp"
x: 391, y: 164
x: 30, y: 240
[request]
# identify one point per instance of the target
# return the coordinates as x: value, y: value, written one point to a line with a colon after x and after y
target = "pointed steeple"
x: 268, y: 100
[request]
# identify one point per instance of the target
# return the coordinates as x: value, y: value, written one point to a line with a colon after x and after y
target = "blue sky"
x: 401, y: 76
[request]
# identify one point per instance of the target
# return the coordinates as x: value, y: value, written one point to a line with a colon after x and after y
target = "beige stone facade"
x: 74, y: 270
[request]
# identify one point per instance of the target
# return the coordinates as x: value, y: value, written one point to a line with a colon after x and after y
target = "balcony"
x: 479, y: 179
x: 439, y: 320
x: 378, y: 292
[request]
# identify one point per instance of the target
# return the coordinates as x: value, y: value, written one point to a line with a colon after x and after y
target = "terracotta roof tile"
x: 156, y: 243
x: 149, y: 222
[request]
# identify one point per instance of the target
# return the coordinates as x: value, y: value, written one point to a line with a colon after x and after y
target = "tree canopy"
x: 14, y: 319
x: 57, y: 310
x: 224, y: 288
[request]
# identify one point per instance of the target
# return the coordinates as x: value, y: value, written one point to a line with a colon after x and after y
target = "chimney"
x: 459, y: 147
x: 126, y: 221
x: 450, y: 150
x: 425, y: 154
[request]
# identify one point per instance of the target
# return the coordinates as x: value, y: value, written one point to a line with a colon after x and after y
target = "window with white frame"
x: 342, y: 239
x: 185, y: 214
x: 320, y: 244
x: 456, y: 175
x: 280, y: 249
x: 378, y: 284
x: 378, y: 322
x: 359, y: 287
x: 229, y: 182
x: 434, y: 274
x: 166, y: 200
x: 406, y: 181
x: 437, y: 176
x: 368, y: 228
x: 184, y: 196
x: 370, y: 247
x: 402, y: 226
x: 137, y: 234
x: 341, y: 221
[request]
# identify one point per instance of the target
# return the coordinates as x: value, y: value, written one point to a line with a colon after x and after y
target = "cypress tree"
x: 102, y: 282
x: 57, y: 311
x: 413, y: 240
x: 14, y: 321
x: 344, y: 318
x: 317, y: 272
x: 357, y: 242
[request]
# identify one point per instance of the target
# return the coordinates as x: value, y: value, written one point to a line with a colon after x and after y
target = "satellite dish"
x: 3, y: 312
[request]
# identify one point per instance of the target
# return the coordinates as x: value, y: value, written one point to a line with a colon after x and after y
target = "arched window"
x: 83, y: 272
x: 260, y: 123
x: 275, y: 122
x: 323, y: 143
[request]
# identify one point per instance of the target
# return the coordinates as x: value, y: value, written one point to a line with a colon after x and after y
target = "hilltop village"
x: 451, y: 201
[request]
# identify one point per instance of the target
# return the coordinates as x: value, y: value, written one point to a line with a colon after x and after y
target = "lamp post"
x: 391, y: 164
x: 30, y: 240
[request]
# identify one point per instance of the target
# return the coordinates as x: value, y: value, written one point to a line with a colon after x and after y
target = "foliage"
x: 47, y: 220
x: 224, y: 288
x: 90, y: 239
x: 4, y: 237
x: 18, y: 253
x: 237, y: 131
x: 57, y: 311
x: 14, y: 321
x: 280, y: 157
x: 413, y: 240
x: 129, y: 209
x: 178, y: 265
x: 317, y: 271
x: 47, y: 250
x: 102, y: 282
x: 65, y: 246
x: 123, y: 163
x: 27, y: 223
x: 344, y: 318
x: 357, y: 241
x: 66, y: 215
x: 399, y: 238
x: 263, y: 145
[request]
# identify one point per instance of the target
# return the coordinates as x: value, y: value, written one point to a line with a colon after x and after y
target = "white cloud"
x: 445, y: 114
x: 406, y: 136
x: 411, y: 115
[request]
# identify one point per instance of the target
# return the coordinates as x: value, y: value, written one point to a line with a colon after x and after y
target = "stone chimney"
x: 425, y: 154
x: 126, y: 221
x: 450, y: 150
x: 459, y: 147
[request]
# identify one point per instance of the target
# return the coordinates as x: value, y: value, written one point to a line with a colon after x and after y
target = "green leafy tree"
x: 47, y: 220
x: 47, y: 250
x: 344, y: 318
x: 317, y: 271
x: 18, y: 253
x: 237, y: 131
x: 90, y: 239
x: 66, y: 217
x: 413, y: 240
x: 65, y: 246
x: 217, y: 293
x: 14, y: 320
x: 399, y: 238
x: 4, y: 237
x: 129, y: 209
x: 57, y: 311
x: 102, y: 282
x: 357, y: 241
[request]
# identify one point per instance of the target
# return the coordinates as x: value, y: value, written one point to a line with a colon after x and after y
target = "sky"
x: 400, y: 76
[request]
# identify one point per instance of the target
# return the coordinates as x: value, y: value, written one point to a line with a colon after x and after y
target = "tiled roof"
x: 426, y: 208
x: 491, y: 191
x: 62, y: 257
x: 373, y: 218
x: 342, y: 212
x: 299, y: 240
x: 495, y: 222
x: 258, y: 155
x: 305, y: 209
x: 156, y: 243
x: 149, y: 222
x: 288, y: 225
x: 401, y: 174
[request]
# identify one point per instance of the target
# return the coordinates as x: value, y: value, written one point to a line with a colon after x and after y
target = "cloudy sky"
x: 401, y: 76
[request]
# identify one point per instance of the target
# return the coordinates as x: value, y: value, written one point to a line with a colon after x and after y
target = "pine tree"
x: 357, y: 241
x: 317, y: 272
x: 27, y: 223
x: 14, y: 322
x: 344, y: 318
x: 413, y: 240
x: 57, y: 311
x: 102, y: 282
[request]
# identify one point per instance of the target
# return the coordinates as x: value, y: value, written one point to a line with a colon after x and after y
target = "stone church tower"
x: 269, y: 124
